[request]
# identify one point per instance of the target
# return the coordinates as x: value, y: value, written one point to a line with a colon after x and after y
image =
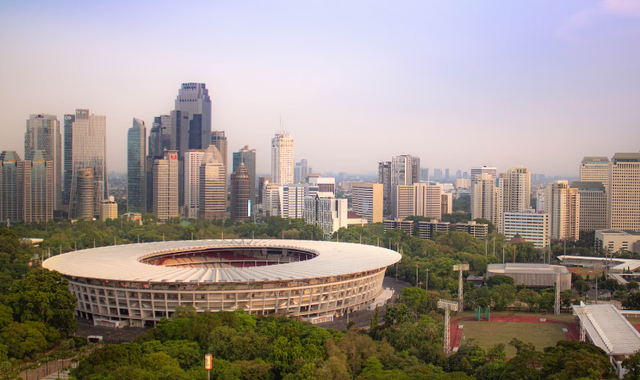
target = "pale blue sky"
x: 457, y: 83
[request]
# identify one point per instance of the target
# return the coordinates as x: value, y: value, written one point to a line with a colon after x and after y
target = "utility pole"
x: 416, y: 274
x: 426, y: 287
x: 556, y: 309
x: 504, y: 246
x: 486, y: 242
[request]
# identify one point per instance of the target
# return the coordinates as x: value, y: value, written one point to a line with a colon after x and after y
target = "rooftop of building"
x: 608, y: 328
x: 584, y: 185
x: 627, y: 156
x: 619, y: 232
x: 595, y: 159
x: 527, y: 268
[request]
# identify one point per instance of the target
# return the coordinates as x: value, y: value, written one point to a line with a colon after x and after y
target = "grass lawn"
x: 487, y: 334
x: 564, y: 316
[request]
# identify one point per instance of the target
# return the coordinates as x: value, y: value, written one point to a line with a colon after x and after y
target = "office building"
x: 492, y: 171
x: 384, y: 178
x: 84, y: 194
x: 563, y: 207
x: 437, y: 175
x: 89, y: 151
x: 514, y: 193
x: 193, y: 100
x: 219, y: 139
x: 38, y: 175
x: 427, y: 229
x: 483, y: 192
x: 262, y: 181
x: 301, y: 171
x: 68, y: 160
x: 43, y: 133
x: 326, y: 212
x: 459, y: 174
x: 108, y: 209
x: 192, y: 162
x: 595, y: 169
x: 325, y: 186
x: 477, y: 230
x: 136, y: 171
x: 446, y: 174
x: 614, y: 241
x: 271, y: 196
x: 446, y: 203
x: 418, y: 199
x: 405, y: 170
x: 165, y: 186
x: 367, y: 201
x: 532, y: 227
x: 292, y: 200
x: 465, y: 175
x: 248, y: 157
x: 282, y: 158
x: 11, y: 191
x: 213, y: 186
x: 241, y: 201
x: 623, y: 200
x: 424, y: 174
x: 593, y: 205
x: 405, y: 225
x: 463, y: 183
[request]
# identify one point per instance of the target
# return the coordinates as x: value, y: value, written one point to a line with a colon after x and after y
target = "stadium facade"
x: 138, y: 284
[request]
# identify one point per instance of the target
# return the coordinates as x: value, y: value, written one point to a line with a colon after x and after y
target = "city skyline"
x: 550, y: 78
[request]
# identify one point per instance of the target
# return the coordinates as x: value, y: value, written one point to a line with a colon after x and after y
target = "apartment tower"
x: 165, y: 186
x: 514, y: 192
x: 282, y: 163
x: 213, y: 186
x: 563, y: 207
x: 367, y: 201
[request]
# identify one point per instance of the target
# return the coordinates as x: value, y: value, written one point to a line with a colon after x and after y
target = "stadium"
x: 138, y: 284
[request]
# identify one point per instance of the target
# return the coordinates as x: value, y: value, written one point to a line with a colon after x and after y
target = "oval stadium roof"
x: 122, y: 262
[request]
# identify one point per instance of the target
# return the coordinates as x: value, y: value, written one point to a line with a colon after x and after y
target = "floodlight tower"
x: 460, y: 268
x: 556, y: 309
x: 447, y: 305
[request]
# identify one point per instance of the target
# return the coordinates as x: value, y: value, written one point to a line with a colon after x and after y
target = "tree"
x: 499, y: 279
x: 567, y: 297
x: 503, y: 295
x: 632, y: 364
x: 43, y: 296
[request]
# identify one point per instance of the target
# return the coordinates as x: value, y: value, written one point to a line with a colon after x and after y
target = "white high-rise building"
x: 271, y: 195
x: 624, y: 192
x: 532, y: 227
x: 562, y: 203
x: 514, y: 192
x: 419, y: 199
x: 165, y: 186
x: 326, y: 212
x: 213, y: 185
x: 192, y: 162
x: 595, y: 169
x: 492, y: 171
x: 292, y: 200
x: 405, y: 170
x: 89, y: 151
x: 482, y: 197
x: 43, y: 133
x: 282, y: 163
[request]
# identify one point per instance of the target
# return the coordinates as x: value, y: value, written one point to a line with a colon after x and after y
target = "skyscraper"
x: 624, y: 192
x: 248, y: 157
x: 68, y: 160
x: 192, y: 162
x: 563, y: 207
x: 165, y: 186
x: 437, y: 174
x: 89, y: 151
x: 193, y: 98
x: 213, y: 181
x: 595, y: 169
x: 593, y: 205
x: 38, y: 176
x: 301, y: 171
x: 514, y: 193
x: 446, y: 174
x: 405, y: 170
x: 219, y: 139
x: 282, y: 158
x: 43, y: 133
x: 11, y: 191
x: 241, y: 194
x: 84, y: 193
x: 136, y: 173
x: 492, y: 171
x: 418, y: 199
x: 367, y: 201
x: 384, y: 177
x: 483, y: 197
x: 292, y: 200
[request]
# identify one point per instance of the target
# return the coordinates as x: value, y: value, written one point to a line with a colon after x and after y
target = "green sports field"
x: 487, y: 334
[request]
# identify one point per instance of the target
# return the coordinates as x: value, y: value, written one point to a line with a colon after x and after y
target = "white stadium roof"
x: 608, y: 328
x: 122, y: 262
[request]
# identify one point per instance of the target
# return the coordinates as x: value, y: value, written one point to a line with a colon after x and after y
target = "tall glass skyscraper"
x: 11, y: 191
x: 194, y: 99
x: 68, y: 159
x: 38, y: 175
x: 136, y: 175
x: 89, y: 151
x: 43, y: 133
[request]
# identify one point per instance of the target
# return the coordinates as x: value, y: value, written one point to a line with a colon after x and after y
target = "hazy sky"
x: 457, y: 83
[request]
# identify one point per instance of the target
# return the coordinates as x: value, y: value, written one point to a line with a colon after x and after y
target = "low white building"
x: 108, y: 209
x: 616, y: 240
